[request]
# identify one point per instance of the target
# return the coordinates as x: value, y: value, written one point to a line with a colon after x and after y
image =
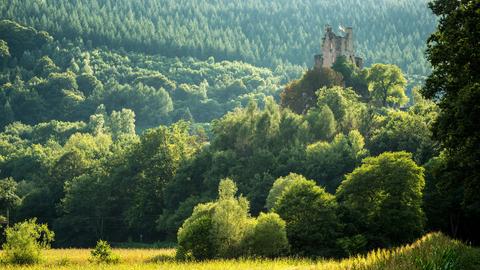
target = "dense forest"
x: 137, y: 122
x: 265, y: 33
x: 75, y: 123
x: 48, y: 80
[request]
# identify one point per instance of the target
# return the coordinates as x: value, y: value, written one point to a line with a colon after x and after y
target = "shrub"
x: 102, y: 253
x: 194, y: 237
x: 25, y: 240
x: 215, y: 229
x: 310, y: 215
x: 382, y: 200
x: 269, y: 237
x: 230, y: 220
x: 224, y: 229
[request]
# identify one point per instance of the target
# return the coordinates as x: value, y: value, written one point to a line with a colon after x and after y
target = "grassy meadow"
x: 433, y: 251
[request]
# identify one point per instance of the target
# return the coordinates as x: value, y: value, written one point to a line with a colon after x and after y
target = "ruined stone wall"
x: 329, y: 47
x: 334, y: 46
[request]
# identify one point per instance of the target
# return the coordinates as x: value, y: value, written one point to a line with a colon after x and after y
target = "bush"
x: 224, y: 229
x: 25, y: 240
x: 310, y: 215
x: 215, y: 229
x: 102, y: 253
x: 194, y: 237
x: 382, y: 200
x: 230, y: 221
x: 269, y: 238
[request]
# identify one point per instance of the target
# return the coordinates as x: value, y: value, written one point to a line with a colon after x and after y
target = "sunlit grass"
x: 433, y: 251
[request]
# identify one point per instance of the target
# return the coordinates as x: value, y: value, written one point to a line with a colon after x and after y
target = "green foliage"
x: 70, y: 113
x: 288, y: 32
x: 382, y: 199
x: 150, y: 104
x: 227, y: 189
x: 8, y: 196
x: 25, y: 240
x: 194, y: 237
x: 224, y: 229
x: 122, y: 122
x: 322, y: 123
x: 454, y: 85
x: 352, y: 244
x: 402, y: 131
x: 327, y: 163
x: 154, y: 163
x: 353, y: 76
x: 21, y: 38
x: 279, y: 186
x: 45, y: 66
x: 269, y: 237
x: 102, y: 253
x: 67, y: 82
x: 386, y: 84
x: 88, y: 84
x: 229, y: 221
x: 423, y: 107
x: 442, y: 197
x: 311, y: 219
x: 300, y: 95
x: 345, y: 105
x: 4, y: 50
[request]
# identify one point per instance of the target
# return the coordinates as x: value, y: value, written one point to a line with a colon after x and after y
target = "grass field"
x: 432, y: 252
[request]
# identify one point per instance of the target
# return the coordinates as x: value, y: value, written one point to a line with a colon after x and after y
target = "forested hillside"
x: 43, y: 79
x: 204, y: 124
x: 265, y: 33
x: 105, y: 125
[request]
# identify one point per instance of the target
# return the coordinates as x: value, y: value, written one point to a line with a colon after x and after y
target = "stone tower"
x: 334, y: 46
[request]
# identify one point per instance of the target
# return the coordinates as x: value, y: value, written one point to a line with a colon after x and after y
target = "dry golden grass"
x: 433, y: 251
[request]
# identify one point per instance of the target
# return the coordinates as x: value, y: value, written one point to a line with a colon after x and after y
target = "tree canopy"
x: 382, y: 199
x: 273, y: 33
x: 144, y: 125
x: 454, y: 85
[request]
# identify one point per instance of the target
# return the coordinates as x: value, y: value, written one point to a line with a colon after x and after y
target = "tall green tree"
x: 322, y: 123
x: 8, y: 196
x: 382, y: 199
x: 454, y: 84
x: 153, y: 165
x: 4, y: 53
x: 300, y: 95
x: 327, y: 163
x: 403, y: 131
x: 279, y: 186
x: 310, y: 214
x: 353, y: 76
x: 345, y: 105
x: 387, y: 84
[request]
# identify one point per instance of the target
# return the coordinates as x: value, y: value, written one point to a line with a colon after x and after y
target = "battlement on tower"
x: 334, y: 46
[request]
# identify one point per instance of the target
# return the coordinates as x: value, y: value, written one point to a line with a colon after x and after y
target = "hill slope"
x: 266, y: 33
x: 45, y: 79
x: 433, y: 251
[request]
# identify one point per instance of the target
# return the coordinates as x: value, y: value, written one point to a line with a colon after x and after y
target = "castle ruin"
x: 334, y: 46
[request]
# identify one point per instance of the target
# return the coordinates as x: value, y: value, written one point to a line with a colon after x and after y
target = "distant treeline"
x: 42, y: 79
x: 266, y: 33
x: 92, y: 143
